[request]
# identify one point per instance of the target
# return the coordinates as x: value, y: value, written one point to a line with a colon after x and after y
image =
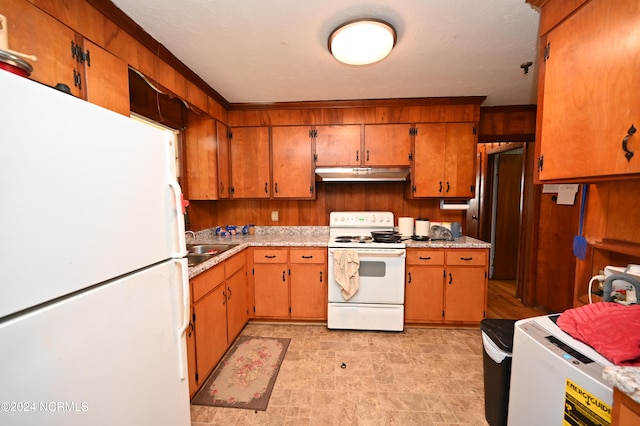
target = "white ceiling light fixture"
x: 362, y: 41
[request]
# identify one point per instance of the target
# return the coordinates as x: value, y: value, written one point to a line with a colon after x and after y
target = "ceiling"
x: 261, y: 51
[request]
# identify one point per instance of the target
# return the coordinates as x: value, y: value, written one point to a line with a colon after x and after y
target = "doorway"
x: 506, y: 211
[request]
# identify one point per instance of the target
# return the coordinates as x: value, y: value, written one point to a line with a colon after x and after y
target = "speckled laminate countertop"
x: 627, y: 379
x: 296, y: 236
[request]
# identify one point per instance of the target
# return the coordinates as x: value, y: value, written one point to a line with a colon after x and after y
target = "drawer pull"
x: 466, y: 258
x: 424, y: 258
x: 307, y: 257
x: 270, y: 256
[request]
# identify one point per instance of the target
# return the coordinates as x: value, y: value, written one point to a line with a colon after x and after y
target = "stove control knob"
x: 373, y: 218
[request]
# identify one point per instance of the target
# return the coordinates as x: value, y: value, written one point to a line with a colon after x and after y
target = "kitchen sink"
x: 198, y: 253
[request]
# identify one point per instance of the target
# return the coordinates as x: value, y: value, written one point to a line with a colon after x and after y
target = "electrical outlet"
x: 275, y: 216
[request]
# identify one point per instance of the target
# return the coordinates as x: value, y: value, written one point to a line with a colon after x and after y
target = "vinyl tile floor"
x: 421, y: 376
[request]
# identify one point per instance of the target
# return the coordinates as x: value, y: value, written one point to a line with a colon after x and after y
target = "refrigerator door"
x: 87, y: 195
x: 111, y: 355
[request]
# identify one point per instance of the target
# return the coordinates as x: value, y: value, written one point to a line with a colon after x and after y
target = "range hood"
x: 362, y: 174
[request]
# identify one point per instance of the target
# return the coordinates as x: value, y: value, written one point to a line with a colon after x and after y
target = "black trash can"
x: 497, y: 347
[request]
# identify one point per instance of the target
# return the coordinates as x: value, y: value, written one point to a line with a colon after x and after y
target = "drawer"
x: 234, y: 264
x: 308, y: 255
x: 425, y: 257
x: 270, y: 255
x: 467, y: 257
x: 206, y: 281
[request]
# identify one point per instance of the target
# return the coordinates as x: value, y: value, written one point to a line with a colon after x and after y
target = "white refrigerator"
x: 93, y: 283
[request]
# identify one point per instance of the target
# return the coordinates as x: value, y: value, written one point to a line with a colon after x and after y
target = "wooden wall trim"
x: 461, y: 100
x: 112, y: 12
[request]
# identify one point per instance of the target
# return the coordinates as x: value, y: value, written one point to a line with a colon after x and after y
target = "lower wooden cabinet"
x: 446, y: 285
x: 626, y: 412
x: 290, y: 283
x: 218, y: 314
x: 309, y: 296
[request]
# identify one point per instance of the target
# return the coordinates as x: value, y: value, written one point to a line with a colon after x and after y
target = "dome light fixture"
x: 362, y: 41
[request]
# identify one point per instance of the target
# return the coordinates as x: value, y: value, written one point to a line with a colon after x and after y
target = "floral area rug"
x: 246, y: 375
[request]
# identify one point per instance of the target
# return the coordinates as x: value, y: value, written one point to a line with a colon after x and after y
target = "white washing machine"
x: 555, y: 379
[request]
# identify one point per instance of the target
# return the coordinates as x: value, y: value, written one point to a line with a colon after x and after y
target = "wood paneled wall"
x: 422, y: 110
x: 334, y: 196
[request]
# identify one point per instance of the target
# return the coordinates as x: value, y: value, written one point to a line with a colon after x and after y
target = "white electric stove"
x: 379, y: 302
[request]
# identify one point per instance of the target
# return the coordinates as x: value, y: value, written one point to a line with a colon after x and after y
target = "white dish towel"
x: 346, y: 266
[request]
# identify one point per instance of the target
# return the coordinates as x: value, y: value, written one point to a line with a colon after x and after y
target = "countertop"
x: 627, y: 379
x: 296, y: 236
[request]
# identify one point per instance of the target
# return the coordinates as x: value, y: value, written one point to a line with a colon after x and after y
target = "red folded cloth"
x: 612, y: 329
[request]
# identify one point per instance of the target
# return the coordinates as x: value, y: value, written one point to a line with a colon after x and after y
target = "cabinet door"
x: 271, y: 291
x: 460, y: 160
x: 464, y: 293
x: 237, y: 312
x: 211, y: 330
x: 201, y: 158
x: 34, y: 32
x: 292, y: 162
x: 223, y: 161
x: 250, y: 172
x: 338, y: 145
x: 590, y: 93
x: 427, y: 173
x: 424, y: 296
x: 309, y: 291
x: 387, y: 145
x: 106, y: 79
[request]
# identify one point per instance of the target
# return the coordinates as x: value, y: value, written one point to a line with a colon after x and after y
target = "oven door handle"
x: 372, y: 253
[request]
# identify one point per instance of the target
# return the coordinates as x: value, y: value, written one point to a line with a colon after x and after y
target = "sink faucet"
x: 608, y: 285
x: 193, y: 234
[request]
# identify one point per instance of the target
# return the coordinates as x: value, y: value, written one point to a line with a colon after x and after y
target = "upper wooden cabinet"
x: 589, y: 107
x: 338, y: 145
x: 387, y: 145
x: 201, y: 158
x: 292, y: 162
x: 65, y: 57
x: 250, y: 171
x: 444, y: 160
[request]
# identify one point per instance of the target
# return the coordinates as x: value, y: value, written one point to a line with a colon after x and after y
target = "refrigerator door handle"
x: 182, y: 239
x: 182, y: 329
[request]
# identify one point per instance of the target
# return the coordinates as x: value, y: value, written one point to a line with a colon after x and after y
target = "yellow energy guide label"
x: 581, y: 408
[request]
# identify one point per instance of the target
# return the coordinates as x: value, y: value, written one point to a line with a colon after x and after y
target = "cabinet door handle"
x: 450, y: 278
x: 230, y: 293
x: 448, y: 187
x: 320, y: 276
x: 221, y: 188
x: 266, y: 187
x: 424, y: 258
x: 367, y: 155
x: 409, y: 274
x: 270, y: 256
x: 276, y: 187
x: 357, y: 155
x: 224, y: 298
x: 466, y: 258
x: 307, y: 257
x: 440, y: 190
x: 628, y: 154
x: 284, y: 278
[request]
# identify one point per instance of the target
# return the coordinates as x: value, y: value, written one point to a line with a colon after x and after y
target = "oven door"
x: 381, y: 277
